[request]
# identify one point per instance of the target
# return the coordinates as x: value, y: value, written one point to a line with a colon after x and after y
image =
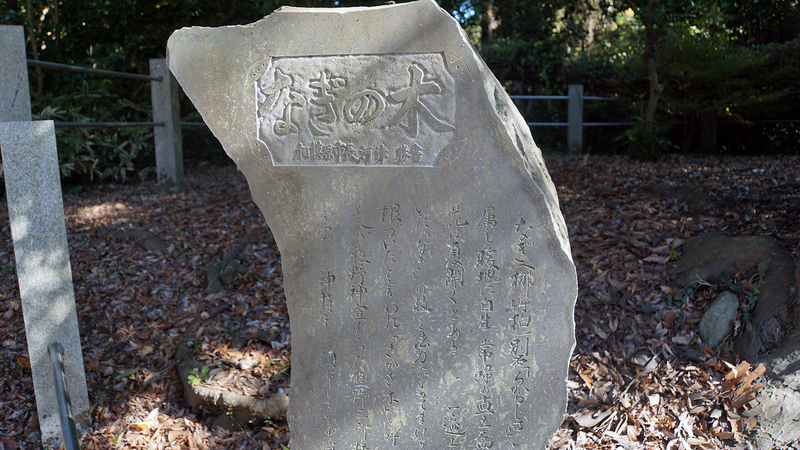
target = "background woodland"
x: 729, y: 68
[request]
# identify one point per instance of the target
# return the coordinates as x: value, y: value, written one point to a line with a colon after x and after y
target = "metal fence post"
x: 575, y: 120
x: 68, y: 428
x: 15, y: 96
x: 168, y: 141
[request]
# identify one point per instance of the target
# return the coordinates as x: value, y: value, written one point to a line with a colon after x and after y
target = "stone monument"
x: 36, y: 213
x: 426, y: 262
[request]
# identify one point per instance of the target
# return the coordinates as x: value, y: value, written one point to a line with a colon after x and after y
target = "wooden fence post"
x: 575, y: 120
x: 168, y: 141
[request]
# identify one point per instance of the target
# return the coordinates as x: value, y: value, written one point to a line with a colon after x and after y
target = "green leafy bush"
x: 646, y: 143
x: 92, y: 154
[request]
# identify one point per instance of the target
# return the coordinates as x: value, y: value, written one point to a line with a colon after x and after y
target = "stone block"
x: 15, y: 97
x: 36, y: 212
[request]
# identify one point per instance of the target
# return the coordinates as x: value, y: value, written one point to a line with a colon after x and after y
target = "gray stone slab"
x: 426, y: 263
x: 168, y: 141
x: 15, y: 97
x: 36, y: 213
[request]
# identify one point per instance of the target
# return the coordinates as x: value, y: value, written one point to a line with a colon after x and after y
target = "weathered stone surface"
x: 36, y: 213
x: 426, y: 262
x: 718, y: 319
x: 779, y: 400
x: 15, y: 98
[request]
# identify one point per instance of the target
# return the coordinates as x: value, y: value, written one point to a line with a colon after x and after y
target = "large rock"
x: 427, y: 266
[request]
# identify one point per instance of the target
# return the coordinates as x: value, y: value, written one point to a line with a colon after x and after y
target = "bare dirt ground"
x: 640, y: 378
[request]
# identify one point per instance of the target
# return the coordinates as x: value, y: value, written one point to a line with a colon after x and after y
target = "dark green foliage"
x: 761, y: 22
x: 735, y: 61
x: 88, y: 154
x: 708, y: 73
x: 644, y: 145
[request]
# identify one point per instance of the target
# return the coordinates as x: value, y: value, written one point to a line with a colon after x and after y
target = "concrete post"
x: 15, y: 96
x: 169, y: 144
x: 575, y: 120
x: 36, y: 212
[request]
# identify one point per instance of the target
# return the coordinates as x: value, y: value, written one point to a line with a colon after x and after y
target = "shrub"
x: 98, y: 154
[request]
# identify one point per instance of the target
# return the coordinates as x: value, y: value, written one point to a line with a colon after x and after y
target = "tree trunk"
x: 34, y: 48
x: 488, y: 22
x: 656, y: 88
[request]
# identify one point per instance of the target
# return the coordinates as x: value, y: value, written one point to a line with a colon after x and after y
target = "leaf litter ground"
x: 640, y: 376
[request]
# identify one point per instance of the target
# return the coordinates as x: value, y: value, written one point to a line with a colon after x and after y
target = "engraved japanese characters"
x: 426, y: 264
x: 441, y: 307
x: 356, y: 110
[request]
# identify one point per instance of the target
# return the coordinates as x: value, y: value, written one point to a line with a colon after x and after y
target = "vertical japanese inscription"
x: 327, y: 358
x: 487, y: 265
x: 521, y: 282
x: 390, y: 222
x: 358, y: 264
x: 426, y: 326
x: 454, y: 275
x: 393, y: 110
x: 423, y: 343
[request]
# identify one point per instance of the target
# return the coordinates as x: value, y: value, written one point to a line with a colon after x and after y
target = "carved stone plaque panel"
x: 366, y: 110
x: 426, y: 263
x: 428, y: 325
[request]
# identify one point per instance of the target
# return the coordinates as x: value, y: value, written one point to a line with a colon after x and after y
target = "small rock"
x: 718, y: 319
x: 224, y: 271
x: 230, y: 271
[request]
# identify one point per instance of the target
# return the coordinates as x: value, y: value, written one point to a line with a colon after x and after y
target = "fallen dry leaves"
x: 136, y: 306
x: 640, y: 378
